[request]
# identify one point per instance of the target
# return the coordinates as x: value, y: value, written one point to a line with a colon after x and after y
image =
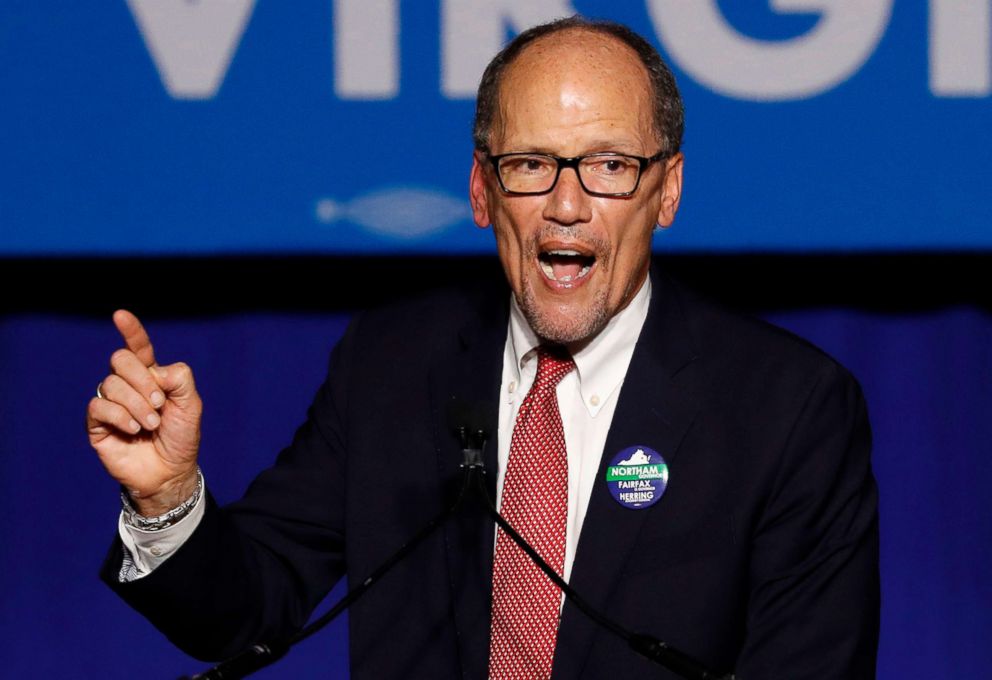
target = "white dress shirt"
x: 587, y: 398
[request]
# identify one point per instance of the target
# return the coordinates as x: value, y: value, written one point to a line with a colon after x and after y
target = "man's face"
x: 574, y: 260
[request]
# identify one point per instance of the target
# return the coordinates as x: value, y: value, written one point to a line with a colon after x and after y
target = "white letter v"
x: 191, y: 42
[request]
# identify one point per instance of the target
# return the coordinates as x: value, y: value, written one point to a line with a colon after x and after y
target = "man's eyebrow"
x: 596, y: 146
x: 622, y: 146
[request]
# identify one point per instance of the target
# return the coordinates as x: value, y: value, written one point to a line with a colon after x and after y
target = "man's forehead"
x: 577, y: 80
x: 575, y: 52
x: 576, y: 40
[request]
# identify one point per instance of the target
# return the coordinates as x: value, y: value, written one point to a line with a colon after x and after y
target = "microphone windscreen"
x: 473, y: 416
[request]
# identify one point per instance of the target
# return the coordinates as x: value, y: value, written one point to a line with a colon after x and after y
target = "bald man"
x: 699, y: 476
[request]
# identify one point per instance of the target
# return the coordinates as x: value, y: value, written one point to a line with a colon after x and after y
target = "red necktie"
x: 526, y: 604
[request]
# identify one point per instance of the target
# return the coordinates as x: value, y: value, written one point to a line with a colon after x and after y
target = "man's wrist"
x: 168, y: 516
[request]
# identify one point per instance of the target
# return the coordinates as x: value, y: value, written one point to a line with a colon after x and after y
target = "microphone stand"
x: 650, y: 647
x: 259, y: 656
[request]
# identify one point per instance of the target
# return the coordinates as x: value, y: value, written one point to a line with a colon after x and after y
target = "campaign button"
x: 637, y: 477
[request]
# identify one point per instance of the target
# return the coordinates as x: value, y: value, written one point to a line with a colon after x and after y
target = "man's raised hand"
x: 146, y: 427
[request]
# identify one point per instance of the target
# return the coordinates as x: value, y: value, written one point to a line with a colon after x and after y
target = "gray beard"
x: 581, y: 327
x: 589, y: 321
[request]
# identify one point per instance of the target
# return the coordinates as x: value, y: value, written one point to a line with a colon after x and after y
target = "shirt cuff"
x: 144, y: 551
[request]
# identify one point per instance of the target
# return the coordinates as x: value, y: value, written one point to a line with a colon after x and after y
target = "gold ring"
x: 99, y: 394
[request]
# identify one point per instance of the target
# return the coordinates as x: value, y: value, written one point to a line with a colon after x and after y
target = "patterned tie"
x: 526, y: 604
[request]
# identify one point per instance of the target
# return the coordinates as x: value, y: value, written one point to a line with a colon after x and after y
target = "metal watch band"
x: 134, y: 519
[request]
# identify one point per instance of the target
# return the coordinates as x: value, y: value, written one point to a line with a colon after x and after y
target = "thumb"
x: 176, y: 381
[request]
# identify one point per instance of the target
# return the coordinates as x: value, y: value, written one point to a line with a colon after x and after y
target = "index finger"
x: 135, y: 336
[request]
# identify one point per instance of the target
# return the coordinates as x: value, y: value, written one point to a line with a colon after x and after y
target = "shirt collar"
x: 602, y: 364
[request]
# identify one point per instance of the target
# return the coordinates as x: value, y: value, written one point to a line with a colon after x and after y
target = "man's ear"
x: 671, y: 191
x: 477, y: 191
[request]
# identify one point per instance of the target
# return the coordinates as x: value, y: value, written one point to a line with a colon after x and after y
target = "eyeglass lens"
x: 536, y: 173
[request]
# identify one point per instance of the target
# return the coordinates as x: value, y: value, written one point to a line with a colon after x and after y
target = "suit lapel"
x: 472, y: 374
x: 657, y: 403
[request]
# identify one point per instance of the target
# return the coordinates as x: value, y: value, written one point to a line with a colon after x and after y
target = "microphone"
x: 471, y: 420
x: 470, y: 423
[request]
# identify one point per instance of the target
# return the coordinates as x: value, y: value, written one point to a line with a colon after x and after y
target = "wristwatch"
x: 138, y: 521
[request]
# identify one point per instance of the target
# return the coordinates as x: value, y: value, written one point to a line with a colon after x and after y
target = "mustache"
x: 570, y: 232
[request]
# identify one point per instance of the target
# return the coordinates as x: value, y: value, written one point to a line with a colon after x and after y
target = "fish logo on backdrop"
x: 193, y: 44
x: 637, y: 477
x: 399, y: 212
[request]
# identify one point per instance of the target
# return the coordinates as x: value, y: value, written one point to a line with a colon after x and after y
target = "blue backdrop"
x: 339, y: 127
x: 342, y: 126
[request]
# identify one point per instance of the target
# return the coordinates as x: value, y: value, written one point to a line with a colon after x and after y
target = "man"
x: 752, y: 545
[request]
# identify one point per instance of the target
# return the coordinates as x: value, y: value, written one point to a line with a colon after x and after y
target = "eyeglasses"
x: 600, y: 174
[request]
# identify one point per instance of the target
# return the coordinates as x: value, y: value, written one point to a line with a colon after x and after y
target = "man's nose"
x: 568, y: 202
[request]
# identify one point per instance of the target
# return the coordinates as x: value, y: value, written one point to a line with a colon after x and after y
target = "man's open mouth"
x: 564, y: 265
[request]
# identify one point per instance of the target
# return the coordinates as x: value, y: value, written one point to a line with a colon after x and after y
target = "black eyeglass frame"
x: 573, y: 163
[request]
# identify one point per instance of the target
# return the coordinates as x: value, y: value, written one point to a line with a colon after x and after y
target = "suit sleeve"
x: 255, y: 570
x: 813, y: 610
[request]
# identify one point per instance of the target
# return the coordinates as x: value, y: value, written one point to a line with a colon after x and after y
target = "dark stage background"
x: 916, y: 331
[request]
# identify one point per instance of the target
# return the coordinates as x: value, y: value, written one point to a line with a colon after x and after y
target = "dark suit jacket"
x: 761, y: 557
